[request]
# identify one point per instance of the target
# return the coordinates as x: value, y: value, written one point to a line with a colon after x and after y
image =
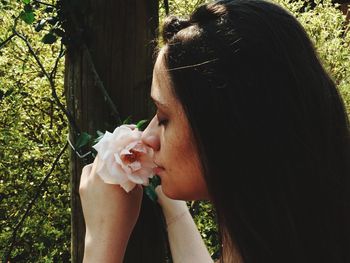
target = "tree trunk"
x: 112, y: 49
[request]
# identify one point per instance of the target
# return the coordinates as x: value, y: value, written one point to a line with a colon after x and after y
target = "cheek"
x: 184, y: 180
x: 183, y: 177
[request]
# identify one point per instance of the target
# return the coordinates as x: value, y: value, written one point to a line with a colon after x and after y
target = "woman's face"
x: 171, y: 138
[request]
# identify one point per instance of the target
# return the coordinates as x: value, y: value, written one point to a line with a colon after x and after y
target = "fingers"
x: 161, y: 195
x: 84, y: 176
x: 86, y: 170
x: 131, y: 126
x: 159, y: 190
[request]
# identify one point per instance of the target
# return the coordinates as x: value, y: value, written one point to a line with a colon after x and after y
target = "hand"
x: 172, y: 209
x: 185, y: 241
x: 110, y: 214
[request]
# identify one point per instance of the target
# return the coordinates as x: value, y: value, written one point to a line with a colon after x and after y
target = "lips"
x: 158, y: 170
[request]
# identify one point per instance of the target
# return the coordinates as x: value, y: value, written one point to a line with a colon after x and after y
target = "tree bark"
x: 114, y: 50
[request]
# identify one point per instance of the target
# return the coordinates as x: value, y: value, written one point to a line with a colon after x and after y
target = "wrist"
x: 104, y: 247
x: 174, y: 208
x: 174, y: 213
x: 177, y: 218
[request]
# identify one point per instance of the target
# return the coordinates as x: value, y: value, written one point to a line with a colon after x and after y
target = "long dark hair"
x: 271, y: 130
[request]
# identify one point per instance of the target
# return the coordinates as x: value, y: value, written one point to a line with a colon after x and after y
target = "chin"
x: 170, y: 193
x: 183, y: 194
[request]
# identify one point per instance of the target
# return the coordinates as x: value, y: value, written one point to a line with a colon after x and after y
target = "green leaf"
x: 39, y: 26
x: 82, y: 140
x: 26, y: 1
x: 49, y: 38
x: 28, y: 8
x: 9, y: 91
x: 99, y: 136
x: 49, y: 9
x: 99, y: 133
x: 59, y: 32
x: 150, y: 189
x: 52, y: 20
x: 27, y: 17
x: 155, y: 181
x: 140, y: 124
x: 151, y: 193
x: 127, y: 120
x: 98, y: 139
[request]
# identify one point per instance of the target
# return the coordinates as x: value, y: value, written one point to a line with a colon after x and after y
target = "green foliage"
x: 27, y: 16
x: 178, y: 8
x: 127, y: 120
x: 150, y: 190
x: 141, y: 124
x: 83, y: 139
x: 204, y: 216
x: 326, y: 27
x: 32, y: 132
x: 49, y: 38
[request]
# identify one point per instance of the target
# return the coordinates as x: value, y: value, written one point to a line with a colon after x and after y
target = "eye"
x: 161, y: 121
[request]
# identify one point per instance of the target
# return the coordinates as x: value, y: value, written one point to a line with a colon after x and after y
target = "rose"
x: 123, y: 158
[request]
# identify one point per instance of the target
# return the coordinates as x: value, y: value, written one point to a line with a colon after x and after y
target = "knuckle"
x: 81, y: 189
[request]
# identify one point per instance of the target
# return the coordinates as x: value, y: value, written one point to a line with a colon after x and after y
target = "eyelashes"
x: 162, y: 122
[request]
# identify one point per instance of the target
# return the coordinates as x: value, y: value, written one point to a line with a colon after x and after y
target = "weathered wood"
x: 119, y: 36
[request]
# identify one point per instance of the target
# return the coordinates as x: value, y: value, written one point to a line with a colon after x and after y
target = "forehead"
x: 161, y: 84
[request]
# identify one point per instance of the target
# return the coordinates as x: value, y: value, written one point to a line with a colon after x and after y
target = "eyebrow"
x: 159, y: 104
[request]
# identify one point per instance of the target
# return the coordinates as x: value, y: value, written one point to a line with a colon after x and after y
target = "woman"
x: 249, y: 119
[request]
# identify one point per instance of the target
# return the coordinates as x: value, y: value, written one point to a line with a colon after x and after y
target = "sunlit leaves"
x: 32, y: 132
x: 40, y: 25
x: 48, y: 9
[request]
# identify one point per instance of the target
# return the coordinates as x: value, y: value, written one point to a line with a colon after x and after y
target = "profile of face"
x: 170, y: 136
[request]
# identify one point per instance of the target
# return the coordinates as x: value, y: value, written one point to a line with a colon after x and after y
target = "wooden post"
x: 115, y: 54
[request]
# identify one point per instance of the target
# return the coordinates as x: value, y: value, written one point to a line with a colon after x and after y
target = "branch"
x: 52, y: 84
x: 166, y: 7
x: 54, y: 70
x: 6, y: 41
x: 31, y: 203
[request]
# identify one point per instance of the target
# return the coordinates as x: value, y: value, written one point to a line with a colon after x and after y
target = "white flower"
x: 123, y: 158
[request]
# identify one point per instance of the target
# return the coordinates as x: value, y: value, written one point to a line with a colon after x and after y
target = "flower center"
x: 130, y: 158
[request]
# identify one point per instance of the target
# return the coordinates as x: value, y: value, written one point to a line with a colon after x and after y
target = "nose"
x: 150, y: 136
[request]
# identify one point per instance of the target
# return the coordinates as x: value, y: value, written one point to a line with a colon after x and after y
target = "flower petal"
x: 135, y: 166
x: 128, y: 186
x: 124, y: 159
x: 135, y: 179
x: 120, y: 162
